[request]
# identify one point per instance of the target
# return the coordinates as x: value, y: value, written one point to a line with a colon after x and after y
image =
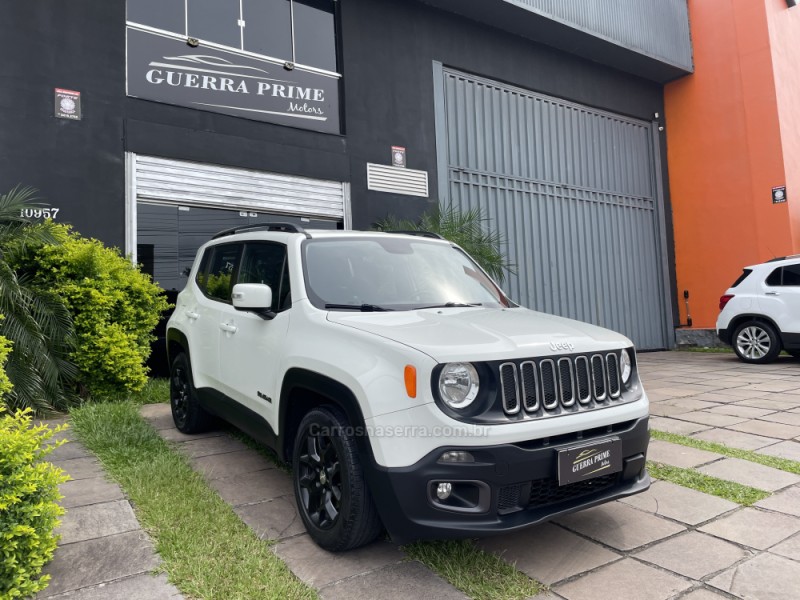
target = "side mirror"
x: 253, y: 297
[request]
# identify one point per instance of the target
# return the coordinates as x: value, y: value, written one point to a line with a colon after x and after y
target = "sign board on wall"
x: 398, y: 156
x: 166, y: 69
x: 67, y: 104
x: 779, y: 194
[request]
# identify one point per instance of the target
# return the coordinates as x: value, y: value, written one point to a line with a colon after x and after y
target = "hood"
x: 477, y: 334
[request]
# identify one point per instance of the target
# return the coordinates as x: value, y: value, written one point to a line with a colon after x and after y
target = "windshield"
x: 391, y: 273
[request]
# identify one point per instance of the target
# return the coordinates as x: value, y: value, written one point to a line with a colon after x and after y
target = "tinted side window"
x: 200, y: 276
x: 791, y: 275
x: 742, y: 277
x: 775, y: 277
x: 264, y: 263
x: 217, y: 280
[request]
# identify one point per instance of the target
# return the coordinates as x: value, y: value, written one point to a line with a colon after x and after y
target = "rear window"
x: 742, y: 277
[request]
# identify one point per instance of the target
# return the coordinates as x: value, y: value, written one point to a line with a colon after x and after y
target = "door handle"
x: 229, y: 327
x: 192, y: 315
x: 772, y: 293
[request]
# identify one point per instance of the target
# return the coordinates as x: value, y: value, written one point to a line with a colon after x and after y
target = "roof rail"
x: 427, y: 234
x: 285, y: 227
x: 777, y: 258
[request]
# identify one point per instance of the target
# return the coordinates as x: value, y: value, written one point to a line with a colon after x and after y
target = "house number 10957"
x: 39, y: 213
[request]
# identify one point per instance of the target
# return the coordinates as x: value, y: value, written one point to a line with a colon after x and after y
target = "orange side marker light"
x: 410, y: 377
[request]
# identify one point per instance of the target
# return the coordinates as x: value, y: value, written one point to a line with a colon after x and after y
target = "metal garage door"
x: 202, y: 184
x: 574, y: 192
x: 176, y: 206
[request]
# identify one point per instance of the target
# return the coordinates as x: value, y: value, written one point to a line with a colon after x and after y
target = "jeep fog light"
x: 458, y: 384
x: 443, y: 490
x: 625, y: 366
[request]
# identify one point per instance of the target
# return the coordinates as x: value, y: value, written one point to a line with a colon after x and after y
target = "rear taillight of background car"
x: 723, y: 300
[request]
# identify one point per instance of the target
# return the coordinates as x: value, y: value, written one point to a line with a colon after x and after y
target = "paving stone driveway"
x: 670, y: 542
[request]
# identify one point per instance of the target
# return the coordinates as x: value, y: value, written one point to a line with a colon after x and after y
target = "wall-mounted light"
x: 192, y: 42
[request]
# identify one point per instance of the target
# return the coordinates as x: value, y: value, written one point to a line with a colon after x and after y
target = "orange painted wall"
x: 784, y: 33
x: 725, y: 154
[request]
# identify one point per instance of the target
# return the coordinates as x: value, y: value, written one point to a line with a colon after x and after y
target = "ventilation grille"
x: 397, y: 180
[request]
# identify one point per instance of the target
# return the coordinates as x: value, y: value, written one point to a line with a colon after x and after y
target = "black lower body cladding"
x: 507, y: 488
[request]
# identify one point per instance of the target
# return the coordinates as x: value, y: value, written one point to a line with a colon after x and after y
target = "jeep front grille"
x: 510, y: 388
x: 549, y: 385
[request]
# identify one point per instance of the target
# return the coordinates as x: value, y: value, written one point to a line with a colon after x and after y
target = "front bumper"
x: 512, y: 486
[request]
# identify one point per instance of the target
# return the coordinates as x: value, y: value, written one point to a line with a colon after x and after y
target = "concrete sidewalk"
x: 103, y: 552
x: 670, y: 542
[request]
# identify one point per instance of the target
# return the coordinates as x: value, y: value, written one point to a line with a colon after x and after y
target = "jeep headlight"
x: 625, y: 366
x: 458, y: 384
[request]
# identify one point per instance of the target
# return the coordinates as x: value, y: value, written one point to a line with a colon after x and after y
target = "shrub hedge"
x: 114, y: 307
x: 28, y: 498
x: 5, y: 383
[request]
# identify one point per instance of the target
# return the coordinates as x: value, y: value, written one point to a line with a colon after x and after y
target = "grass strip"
x: 479, y: 574
x: 784, y: 464
x: 729, y: 490
x: 206, y: 549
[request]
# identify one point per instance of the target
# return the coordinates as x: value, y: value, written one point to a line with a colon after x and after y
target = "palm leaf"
x: 468, y: 229
x: 37, y: 323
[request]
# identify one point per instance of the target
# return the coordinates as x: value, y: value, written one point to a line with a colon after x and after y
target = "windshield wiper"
x: 451, y: 305
x: 361, y: 307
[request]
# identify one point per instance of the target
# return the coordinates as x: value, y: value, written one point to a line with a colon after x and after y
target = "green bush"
x: 5, y: 383
x: 114, y: 308
x: 28, y: 504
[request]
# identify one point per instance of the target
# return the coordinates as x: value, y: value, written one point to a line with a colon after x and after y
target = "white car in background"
x: 760, y: 313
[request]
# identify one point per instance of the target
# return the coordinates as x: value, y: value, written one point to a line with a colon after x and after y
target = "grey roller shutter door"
x: 573, y: 191
x: 200, y: 184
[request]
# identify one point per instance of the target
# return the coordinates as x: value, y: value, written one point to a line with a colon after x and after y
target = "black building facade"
x: 151, y: 125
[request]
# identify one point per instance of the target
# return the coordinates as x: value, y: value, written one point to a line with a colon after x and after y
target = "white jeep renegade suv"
x: 402, y: 385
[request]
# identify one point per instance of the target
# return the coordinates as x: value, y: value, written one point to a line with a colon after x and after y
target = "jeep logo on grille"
x: 561, y: 347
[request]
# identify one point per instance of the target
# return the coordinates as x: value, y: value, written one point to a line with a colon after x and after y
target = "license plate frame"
x: 588, y: 461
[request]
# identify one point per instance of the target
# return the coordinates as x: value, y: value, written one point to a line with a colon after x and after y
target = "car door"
x: 203, y: 313
x: 781, y: 299
x: 250, y: 346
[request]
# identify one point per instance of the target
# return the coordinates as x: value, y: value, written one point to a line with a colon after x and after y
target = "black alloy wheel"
x: 320, y: 480
x: 179, y: 396
x: 188, y: 415
x: 332, y: 496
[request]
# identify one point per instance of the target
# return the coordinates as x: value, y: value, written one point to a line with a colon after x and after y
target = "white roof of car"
x: 776, y: 262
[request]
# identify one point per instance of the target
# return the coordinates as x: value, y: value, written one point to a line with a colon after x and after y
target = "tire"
x: 332, y: 497
x: 756, y: 342
x: 188, y: 415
